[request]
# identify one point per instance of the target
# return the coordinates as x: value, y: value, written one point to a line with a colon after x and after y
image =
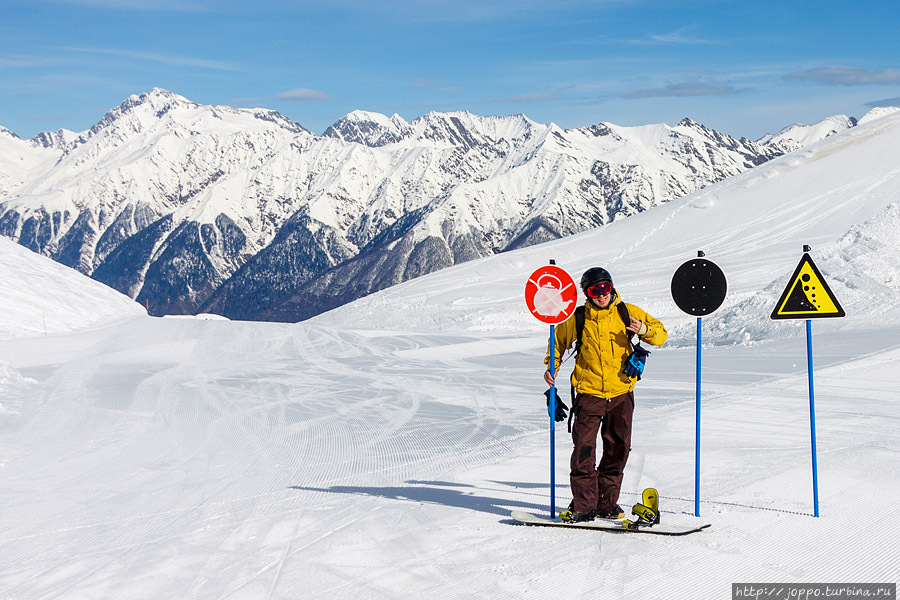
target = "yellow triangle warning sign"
x: 807, y: 296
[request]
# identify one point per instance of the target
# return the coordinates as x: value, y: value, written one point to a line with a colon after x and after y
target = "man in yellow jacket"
x: 604, y: 401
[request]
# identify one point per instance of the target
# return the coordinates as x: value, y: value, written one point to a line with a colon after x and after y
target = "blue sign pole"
x: 697, y: 425
x: 552, y: 410
x: 698, y: 288
x: 812, y: 416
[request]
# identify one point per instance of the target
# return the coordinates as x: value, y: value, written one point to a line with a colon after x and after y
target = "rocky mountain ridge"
x: 243, y: 212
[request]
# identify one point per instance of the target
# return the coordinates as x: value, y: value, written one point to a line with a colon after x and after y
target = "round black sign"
x: 699, y: 287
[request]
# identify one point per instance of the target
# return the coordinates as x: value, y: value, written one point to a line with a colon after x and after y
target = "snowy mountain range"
x: 242, y: 212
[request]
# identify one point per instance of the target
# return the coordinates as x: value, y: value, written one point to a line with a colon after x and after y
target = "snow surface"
x: 40, y: 297
x: 377, y: 450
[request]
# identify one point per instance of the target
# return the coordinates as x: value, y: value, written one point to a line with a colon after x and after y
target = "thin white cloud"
x: 679, y: 90
x: 882, y: 103
x: 433, y: 86
x: 849, y: 76
x: 679, y: 37
x: 68, y: 81
x: 24, y: 61
x: 303, y: 95
x: 248, y: 102
x: 529, y: 98
x: 168, y: 59
x: 458, y: 11
x: 145, y: 5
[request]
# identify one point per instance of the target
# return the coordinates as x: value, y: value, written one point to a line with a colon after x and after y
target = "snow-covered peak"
x: 163, y: 110
x: 687, y: 148
x: 159, y: 97
x: 689, y: 123
x: 798, y: 135
x: 878, y: 112
x: 364, y: 116
x: 462, y: 128
x: 143, y: 121
x: 59, y: 139
x: 22, y: 160
x: 155, y: 102
x: 650, y: 133
x: 7, y: 133
x: 369, y: 128
x: 157, y: 148
x: 454, y: 128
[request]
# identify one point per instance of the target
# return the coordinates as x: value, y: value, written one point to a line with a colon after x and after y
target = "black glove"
x: 561, y: 408
x: 634, y: 365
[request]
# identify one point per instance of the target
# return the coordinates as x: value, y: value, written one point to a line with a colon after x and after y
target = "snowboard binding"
x: 646, y: 511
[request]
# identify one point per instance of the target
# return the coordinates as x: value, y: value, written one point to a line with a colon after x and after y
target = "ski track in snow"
x: 210, y: 429
x: 233, y: 489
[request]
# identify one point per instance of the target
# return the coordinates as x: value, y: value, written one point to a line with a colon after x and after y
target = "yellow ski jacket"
x: 604, y: 348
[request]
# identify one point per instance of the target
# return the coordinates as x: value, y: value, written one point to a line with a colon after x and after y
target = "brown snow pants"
x: 598, y: 486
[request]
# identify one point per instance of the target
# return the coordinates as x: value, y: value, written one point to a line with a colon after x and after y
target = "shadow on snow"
x: 437, y: 492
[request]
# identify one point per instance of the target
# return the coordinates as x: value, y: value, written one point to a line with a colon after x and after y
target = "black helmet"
x: 594, y: 275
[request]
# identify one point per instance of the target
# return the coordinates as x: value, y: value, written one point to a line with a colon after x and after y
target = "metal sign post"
x: 698, y: 288
x: 697, y: 380
x: 807, y: 296
x: 812, y: 417
x: 551, y: 408
x: 551, y: 296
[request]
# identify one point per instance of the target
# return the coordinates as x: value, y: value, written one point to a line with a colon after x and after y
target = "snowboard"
x: 607, y: 525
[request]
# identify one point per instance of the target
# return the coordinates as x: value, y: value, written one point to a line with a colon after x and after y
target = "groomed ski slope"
x: 376, y: 450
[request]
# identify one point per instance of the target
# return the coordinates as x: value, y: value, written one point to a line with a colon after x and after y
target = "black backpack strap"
x: 573, y: 414
x: 579, y: 328
x: 579, y: 331
x: 626, y: 318
x: 623, y: 312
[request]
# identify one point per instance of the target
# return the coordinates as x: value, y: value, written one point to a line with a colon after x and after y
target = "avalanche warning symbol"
x: 551, y: 295
x: 807, y: 296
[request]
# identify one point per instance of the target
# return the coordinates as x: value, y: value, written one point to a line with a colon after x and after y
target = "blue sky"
x: 746, y: 67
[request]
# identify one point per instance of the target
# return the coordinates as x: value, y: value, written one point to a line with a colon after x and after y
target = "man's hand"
x: 548, y: 378
x: 637, y: 327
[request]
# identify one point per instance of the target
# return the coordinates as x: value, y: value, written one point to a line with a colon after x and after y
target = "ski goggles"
x: 599, y: 289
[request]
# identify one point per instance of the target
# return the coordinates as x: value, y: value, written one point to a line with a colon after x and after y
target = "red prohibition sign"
x: 551, y: 295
